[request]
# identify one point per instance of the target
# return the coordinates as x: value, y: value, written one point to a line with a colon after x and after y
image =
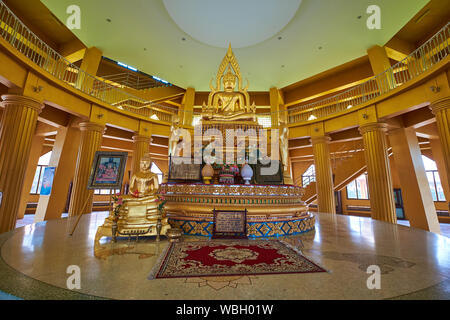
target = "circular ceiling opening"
x: 241, y: 23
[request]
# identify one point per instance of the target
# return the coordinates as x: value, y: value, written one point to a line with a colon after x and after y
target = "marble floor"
x: 414, y: 264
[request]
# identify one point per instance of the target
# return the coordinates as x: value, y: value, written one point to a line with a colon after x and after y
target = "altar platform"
x: 272, y: 210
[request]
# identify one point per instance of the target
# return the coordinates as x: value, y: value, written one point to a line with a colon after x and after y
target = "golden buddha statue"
x: 229, y: 104
x: 144, y: 184
x: 138, y: 211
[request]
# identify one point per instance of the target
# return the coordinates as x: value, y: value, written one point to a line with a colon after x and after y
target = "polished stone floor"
x: 414, y: 264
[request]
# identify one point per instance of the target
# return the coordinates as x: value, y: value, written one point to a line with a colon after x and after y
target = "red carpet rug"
x: 230, y: 258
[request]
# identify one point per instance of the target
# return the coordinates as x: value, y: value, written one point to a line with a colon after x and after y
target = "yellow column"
x: 18, y: 125
x: 441, y: 109
x: 187, y: 107
x: 418, y: 202
x: 379, y: 62
x: 33, y: 159
x: 89, y: 64
x: 90, y: 142
x: 379, y: 172
x: 64, y: 156
x: 141, y: 147
x: 324, y: 176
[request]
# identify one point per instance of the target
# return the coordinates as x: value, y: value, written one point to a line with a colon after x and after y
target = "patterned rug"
x: 230, y: 258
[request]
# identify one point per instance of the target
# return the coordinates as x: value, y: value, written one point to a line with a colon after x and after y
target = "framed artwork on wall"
x: 47, y: 181
x: 107, y: 170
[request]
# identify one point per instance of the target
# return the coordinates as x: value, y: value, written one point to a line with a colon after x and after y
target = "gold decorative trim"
x: 374, y: 126
x: 439, y: 105
x: 140, y: 138
x: 21, y: 101
x: 320, y: 139
x: 92, y: 126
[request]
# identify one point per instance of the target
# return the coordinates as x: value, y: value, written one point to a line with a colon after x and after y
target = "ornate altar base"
x: 272, y: 211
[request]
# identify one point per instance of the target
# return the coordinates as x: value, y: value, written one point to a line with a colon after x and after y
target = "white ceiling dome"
x: 241, y: 23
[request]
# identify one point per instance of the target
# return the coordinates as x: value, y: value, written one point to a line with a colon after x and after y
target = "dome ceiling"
x: 255, y: 21
x: 276, y: 42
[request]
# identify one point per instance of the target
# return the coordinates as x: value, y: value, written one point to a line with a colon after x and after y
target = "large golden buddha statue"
x: 229, y: 104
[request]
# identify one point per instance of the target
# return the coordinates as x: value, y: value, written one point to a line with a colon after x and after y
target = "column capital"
x: 320, y: 139
x: 141, y: 138
x: 374, y: 126
x: 18, y: 100
x: 439, y: 105
x: 92, y: 126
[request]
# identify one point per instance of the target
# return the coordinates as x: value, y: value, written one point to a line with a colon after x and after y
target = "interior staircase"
x: 348, y: 163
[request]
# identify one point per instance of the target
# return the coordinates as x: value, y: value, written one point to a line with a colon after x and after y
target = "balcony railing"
x: 19, y: 36
x: 421, y: 60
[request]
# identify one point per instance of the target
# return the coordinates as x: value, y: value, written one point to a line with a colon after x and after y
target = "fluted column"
x: 17, y: 129
x: 379, y: 172
x: 91, y: 138
x: 141, y: 147
x: 441, y: 109
x: 324, y: 175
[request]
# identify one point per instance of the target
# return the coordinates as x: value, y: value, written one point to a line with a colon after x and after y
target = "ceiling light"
x: 126, y: 66
x: 160, y: 80
x: 312, y: 117
x: 154, y: 117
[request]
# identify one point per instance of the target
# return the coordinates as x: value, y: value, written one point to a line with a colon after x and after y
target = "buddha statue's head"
x: 146, y: 162
x: 229, y: 81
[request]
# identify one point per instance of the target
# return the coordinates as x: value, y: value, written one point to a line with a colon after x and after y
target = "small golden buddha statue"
x: 229, y: 104
x: 144, y: 184
x: 138, y: 213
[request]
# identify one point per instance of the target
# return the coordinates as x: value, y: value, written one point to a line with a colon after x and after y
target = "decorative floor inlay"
x: 230, y: 258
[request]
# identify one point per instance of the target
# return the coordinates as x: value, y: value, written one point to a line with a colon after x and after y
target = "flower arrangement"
x: 161, y: 203
x: 118, y: 200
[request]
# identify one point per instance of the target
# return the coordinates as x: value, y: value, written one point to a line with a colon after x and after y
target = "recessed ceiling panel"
x: 241, y: 23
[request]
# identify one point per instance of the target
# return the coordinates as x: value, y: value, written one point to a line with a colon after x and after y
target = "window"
x: 309, y: 176
x: 265, y: 121
x: 158, y: 171
x: 196, y: 120
x: 434, y: 181
x: 357, y: 189
x: 38, y: 175
x: 105, y: 191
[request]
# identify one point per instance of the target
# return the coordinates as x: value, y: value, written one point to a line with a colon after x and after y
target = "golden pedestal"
x: 137, y: 217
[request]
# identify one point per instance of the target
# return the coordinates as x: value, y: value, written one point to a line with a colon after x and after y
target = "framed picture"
x: 230, y: 224
x: 185, y: 171
x: 47, y: 181
x: 107, y: 170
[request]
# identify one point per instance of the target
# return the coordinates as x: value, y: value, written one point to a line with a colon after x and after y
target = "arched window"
x: 157, y: 170
x: 437, y: 192
x: 43, y: 162
x: 309, y: 176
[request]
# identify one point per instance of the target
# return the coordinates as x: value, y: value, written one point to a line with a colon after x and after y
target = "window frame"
x: 433, y: 173
x: 356, y: 187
